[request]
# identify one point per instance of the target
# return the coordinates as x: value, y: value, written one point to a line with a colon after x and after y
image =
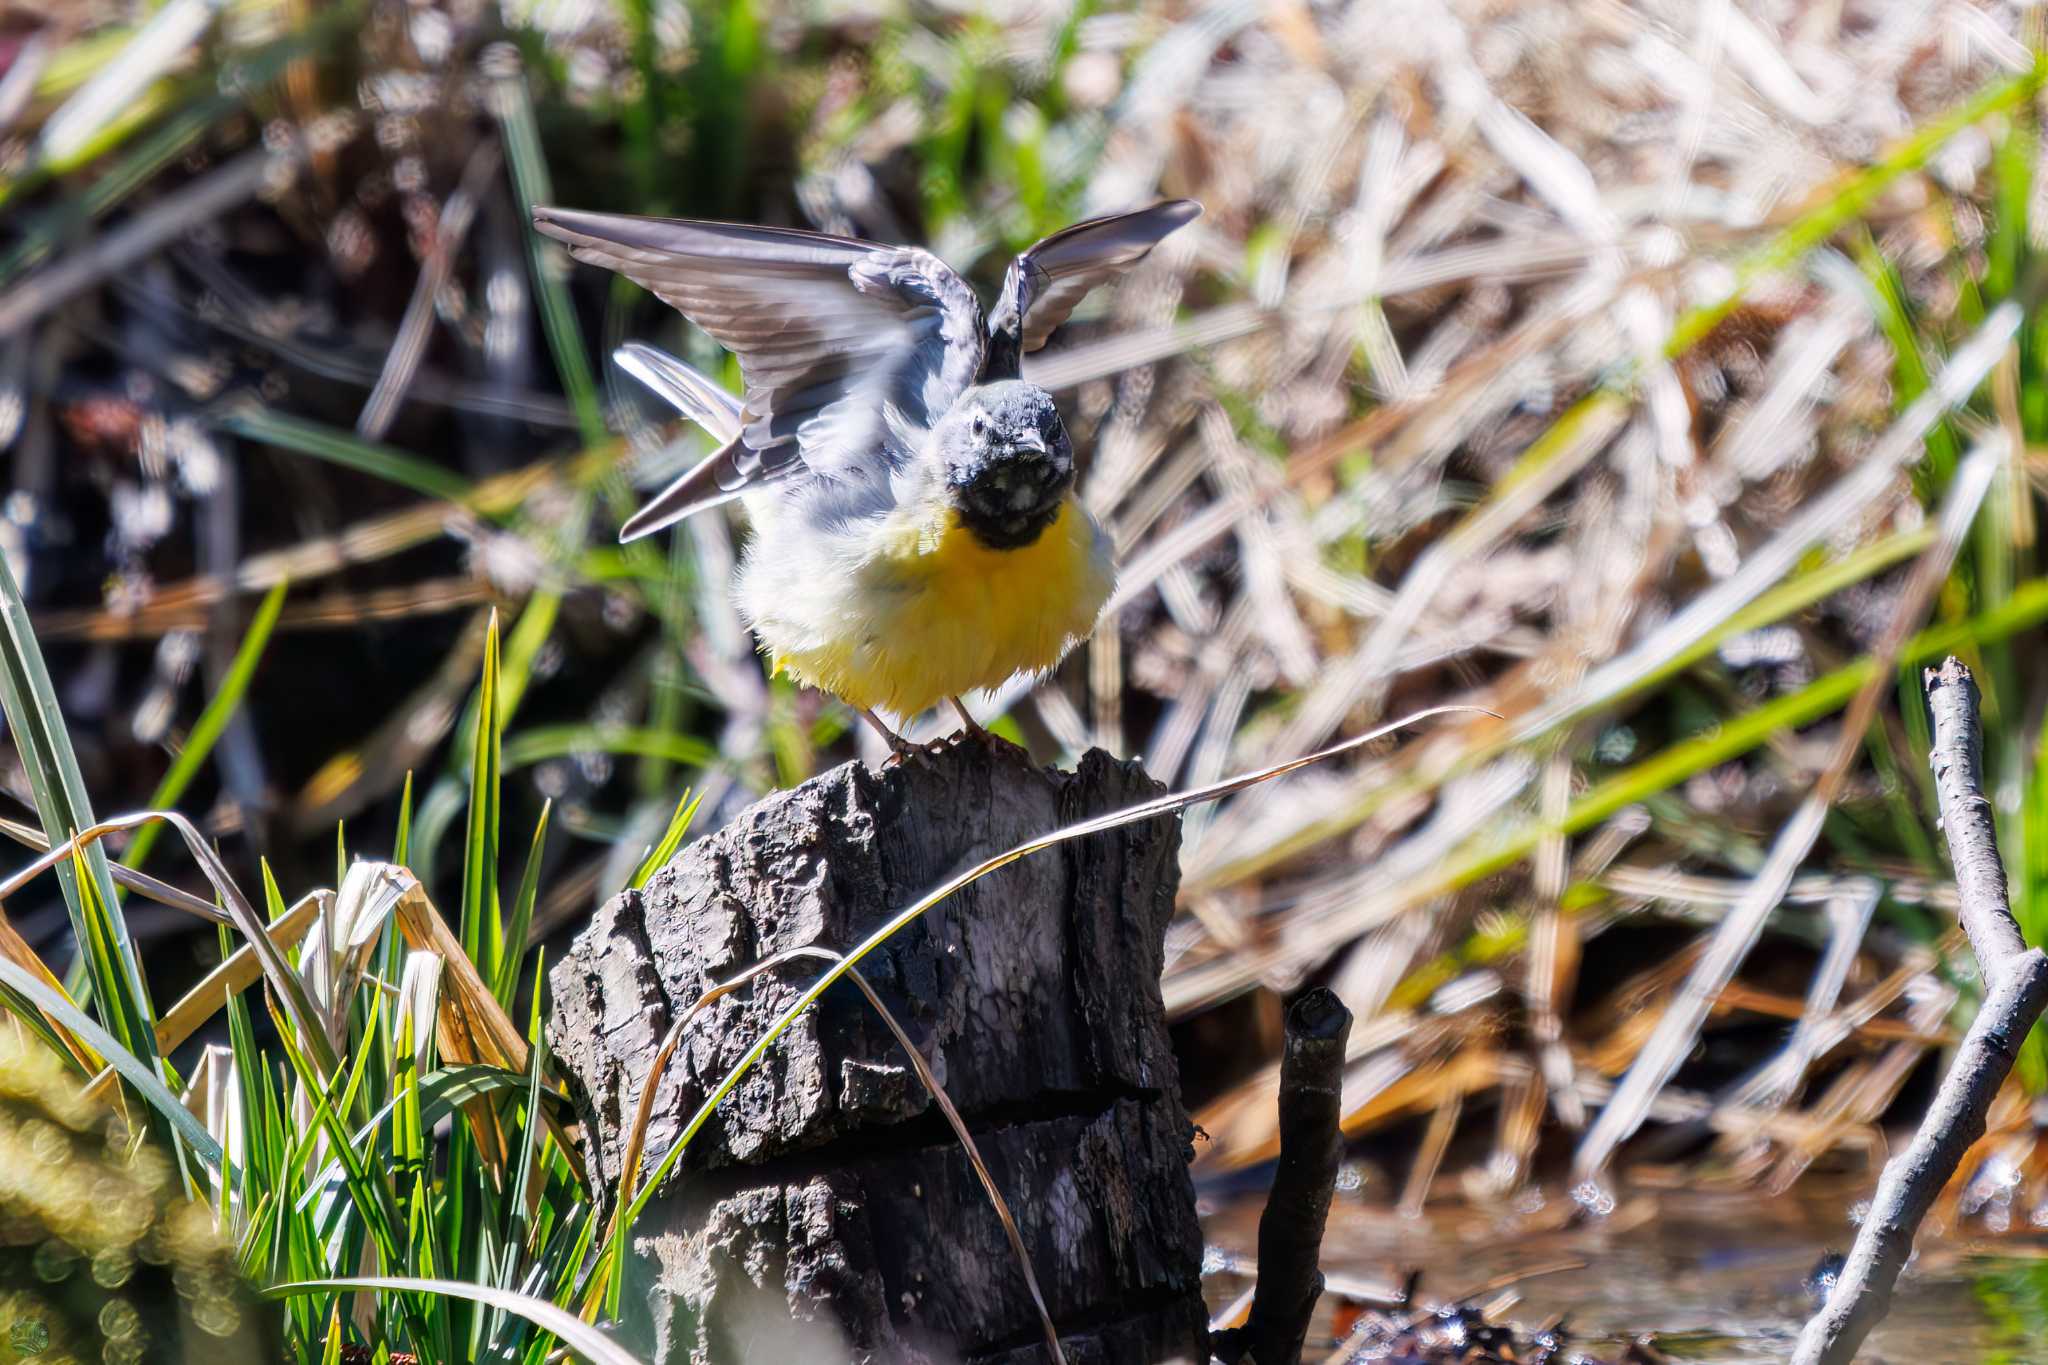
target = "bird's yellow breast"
x: 927, y: 611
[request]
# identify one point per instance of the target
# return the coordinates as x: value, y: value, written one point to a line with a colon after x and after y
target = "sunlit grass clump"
x: 375, y: 1146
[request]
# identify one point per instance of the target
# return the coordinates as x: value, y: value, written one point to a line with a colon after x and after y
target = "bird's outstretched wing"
x: 827, y: 330
x: 1044, y: 284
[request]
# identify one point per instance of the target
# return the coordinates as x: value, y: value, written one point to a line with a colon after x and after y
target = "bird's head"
x: 1007, y: 461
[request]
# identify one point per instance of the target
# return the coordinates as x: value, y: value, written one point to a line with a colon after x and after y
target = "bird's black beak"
x: 1013, y: 494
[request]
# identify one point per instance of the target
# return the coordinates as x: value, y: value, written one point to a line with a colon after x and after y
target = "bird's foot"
x: 899, y: 747
x: 988, y: 739
x: 972, y: 727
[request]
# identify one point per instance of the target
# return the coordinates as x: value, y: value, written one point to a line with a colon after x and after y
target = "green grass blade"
x: 374, y: 1204
x: 37, y: 726
x: 671, y: 840
x: 418, y: 1107
x: 250, y: 1075
x: 1787, y: 598
x: 542, y: 742
x: 30, y: 1018
x: 446, y: 799
x: 574, y: 1333
x: 523, y: 644
x: 1848, y: 201
x: 533, y: 1136
x: 201, y: 104
x: 1739, y: 735
x: 482, y: 930
x: 507, y: 983
x: 2013, y: 183
x: 346, y: 449
x: 401, y: 847
x: 1886, y: 293
x: 532, y: 186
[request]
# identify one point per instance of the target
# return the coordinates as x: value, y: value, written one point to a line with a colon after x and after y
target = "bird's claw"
x: 901, y: 749
x: 970, y: 726
x: 971, y: 729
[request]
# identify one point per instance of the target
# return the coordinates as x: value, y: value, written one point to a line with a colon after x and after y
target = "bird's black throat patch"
x: 1007, y: 501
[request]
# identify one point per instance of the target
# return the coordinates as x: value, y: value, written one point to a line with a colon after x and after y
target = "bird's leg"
x: 967, y: 719
x: 899, y: 747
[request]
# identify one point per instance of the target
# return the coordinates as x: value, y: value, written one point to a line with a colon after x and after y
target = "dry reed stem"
x: 1737, y: 934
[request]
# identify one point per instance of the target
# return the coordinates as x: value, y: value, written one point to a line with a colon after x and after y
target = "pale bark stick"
x: 2015, y: 991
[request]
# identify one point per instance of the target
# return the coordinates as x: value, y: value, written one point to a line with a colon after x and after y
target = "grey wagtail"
x: 916, y: 533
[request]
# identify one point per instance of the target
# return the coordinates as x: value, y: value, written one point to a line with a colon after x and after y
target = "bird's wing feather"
x: 827, y: 329
x: 1045, y: 283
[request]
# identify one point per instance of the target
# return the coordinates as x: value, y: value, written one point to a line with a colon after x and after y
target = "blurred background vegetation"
x: 1667, y: 378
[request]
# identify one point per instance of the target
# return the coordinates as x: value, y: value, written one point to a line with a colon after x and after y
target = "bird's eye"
x: 980, y: 424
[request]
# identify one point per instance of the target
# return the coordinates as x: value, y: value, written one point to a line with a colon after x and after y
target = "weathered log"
x: 827, y: 1188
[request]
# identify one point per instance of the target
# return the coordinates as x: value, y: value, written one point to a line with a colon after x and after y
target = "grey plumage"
x: 851, y: 351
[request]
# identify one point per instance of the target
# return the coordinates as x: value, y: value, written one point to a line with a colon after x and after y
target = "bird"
x: 915, y: 529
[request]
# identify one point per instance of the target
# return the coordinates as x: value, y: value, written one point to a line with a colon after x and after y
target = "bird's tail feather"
x: 692, y: 392
x: 703, y: 487
x: 712, y: 480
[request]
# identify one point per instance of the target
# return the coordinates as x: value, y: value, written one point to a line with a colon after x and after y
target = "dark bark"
x: 1291, y: 1227
x: 827, y: 1187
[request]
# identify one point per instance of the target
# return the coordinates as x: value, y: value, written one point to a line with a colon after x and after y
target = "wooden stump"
x: 827, y: 1188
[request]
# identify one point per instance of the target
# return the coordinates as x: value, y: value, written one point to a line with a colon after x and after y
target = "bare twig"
x: 1957, y: 760
x: 409, y: 347
x: 1291, y: 1228
x: 2016, y: 982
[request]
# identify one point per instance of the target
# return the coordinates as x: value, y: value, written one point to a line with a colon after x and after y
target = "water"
x: 1720, y: 1277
